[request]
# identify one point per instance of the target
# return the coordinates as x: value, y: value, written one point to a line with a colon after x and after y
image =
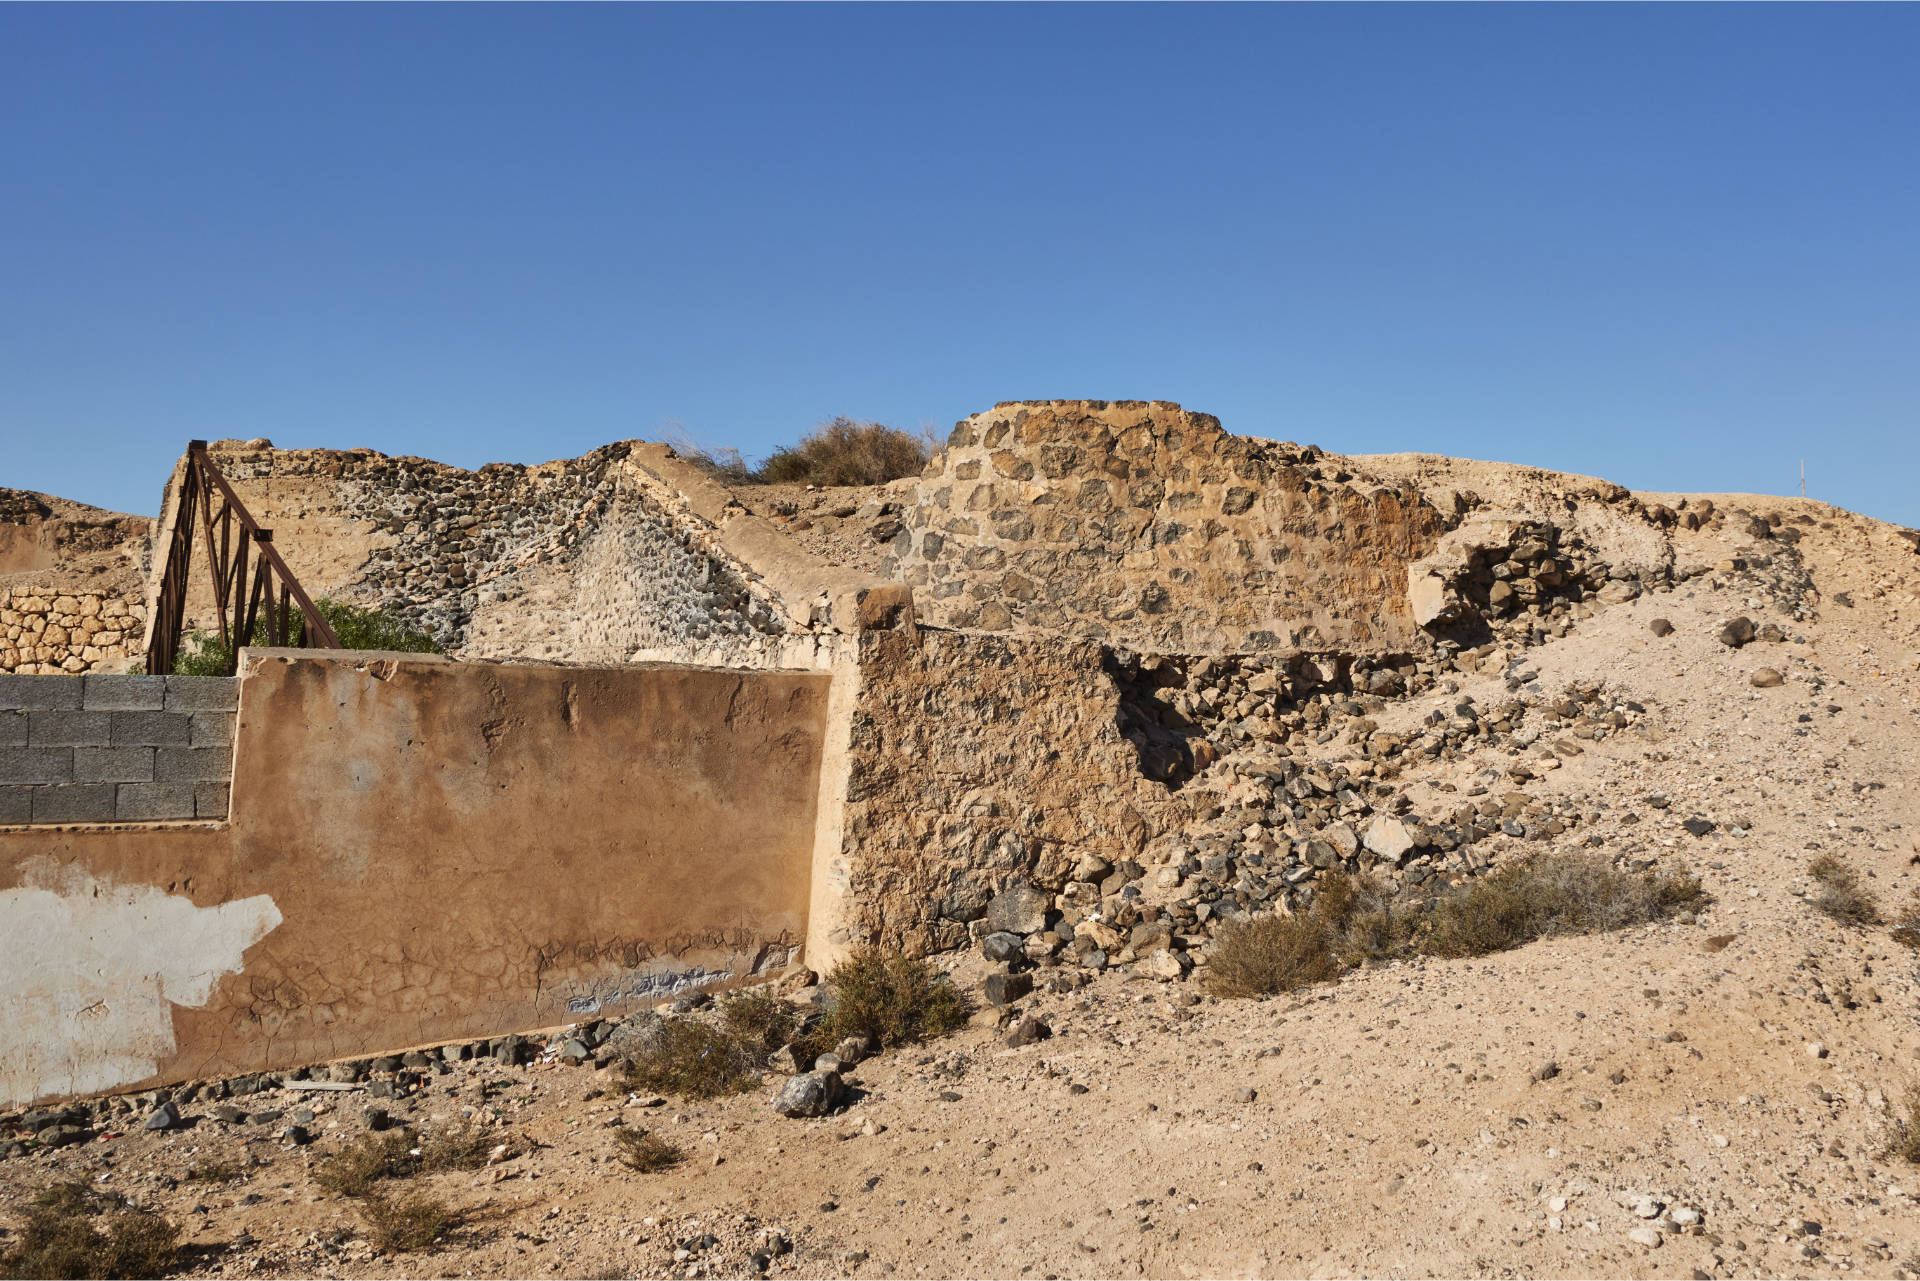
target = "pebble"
x: 1649, y: 1237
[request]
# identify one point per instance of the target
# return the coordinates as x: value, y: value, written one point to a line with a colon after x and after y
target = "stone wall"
x: 976, y: 762
x: 624, y: 554
x: 103, y: 749
x: 1145, y: 525
x: 50, y: 629
x: 418, y: 851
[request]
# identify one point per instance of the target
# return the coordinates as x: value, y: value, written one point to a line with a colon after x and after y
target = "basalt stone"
x: 1737, y: 632
x: 1005, y: 989
x: 1003, y: 946
x: 1018, y: 909
x: 810, y: 1094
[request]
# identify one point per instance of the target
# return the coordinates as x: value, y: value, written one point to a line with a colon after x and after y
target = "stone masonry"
x: 1142, y: 524
x: 105, y: 749
x: 49, y: 630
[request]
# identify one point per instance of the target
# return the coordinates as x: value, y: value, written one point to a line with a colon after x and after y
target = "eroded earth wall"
x: 417, y: 851
x: 1143, y: 524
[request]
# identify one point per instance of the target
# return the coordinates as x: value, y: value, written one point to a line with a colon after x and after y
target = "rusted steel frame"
x: 263, y: 540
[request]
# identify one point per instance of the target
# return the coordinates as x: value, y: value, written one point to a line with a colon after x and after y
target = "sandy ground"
x: 1404, y: 1121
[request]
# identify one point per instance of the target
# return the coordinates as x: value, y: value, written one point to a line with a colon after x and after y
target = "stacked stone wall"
x: 587, y: 560
x: 49, y: 630
x: 105, y: 749
x: 1145, y: 525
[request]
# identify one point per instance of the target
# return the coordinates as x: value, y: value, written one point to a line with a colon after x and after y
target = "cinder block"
x: 203, y: 693
x: 150, y: 729
x: 151, y: 802
x: 74, y: 803
x: 113, y: 764
x: 16, y: 805
x: 211, y: 729
x: 192, y: 765
x: 70, y: 729
x: 125, y: 693
x: 210, y: 800
x: 13, y: 729
x: 36, y: 765
x: 40, y: 693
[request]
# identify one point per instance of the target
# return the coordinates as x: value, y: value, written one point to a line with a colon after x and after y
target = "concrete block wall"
x: 115, y: 749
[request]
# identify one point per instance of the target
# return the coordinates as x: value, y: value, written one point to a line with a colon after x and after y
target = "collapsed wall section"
x: 1143, y: 524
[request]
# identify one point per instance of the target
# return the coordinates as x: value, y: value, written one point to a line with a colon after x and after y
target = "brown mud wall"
x: 418, y: 851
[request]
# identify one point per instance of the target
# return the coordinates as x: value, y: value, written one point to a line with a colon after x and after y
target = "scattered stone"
x: 1697, y: 826
x: 1003, y: 946
x: 1005, y: 989
x: 164, y: 1117
x: 1660, y: 627
x: 1028, y: 1031
x: 1766, y: 678
x: 1649, y: 1237
x: 1737, y: 632
x: 1018, y: 909
x: 810, y: 1094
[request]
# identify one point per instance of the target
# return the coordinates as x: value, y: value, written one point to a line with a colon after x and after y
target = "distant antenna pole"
x: 1803, y: 478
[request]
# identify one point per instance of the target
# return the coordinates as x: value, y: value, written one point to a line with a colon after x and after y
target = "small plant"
x: 893, y: 998
x: 211, y: 1172
x: 1270, y: 954
x: 1906, y: 929
x: 402, y: 1225
x: 760, y: 1019
x: 847, y: 452
x: 1904, y: 1143
x: 696, y: 1061
x: 356, y: 627
x: 72, y: 1232
x: 399, y: 1154
x: 1549, y: 895
x: 646, y: 1152
x: 1842, y: 897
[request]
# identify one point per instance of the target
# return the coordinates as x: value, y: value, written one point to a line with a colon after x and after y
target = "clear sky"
x: 1676, y: 246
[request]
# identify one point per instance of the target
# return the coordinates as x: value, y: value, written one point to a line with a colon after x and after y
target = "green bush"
x: 357, y: 627
x: 843, y: 451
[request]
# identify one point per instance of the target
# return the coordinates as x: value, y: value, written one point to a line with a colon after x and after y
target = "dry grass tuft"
x: 1549, y: 895
x: 894, y: 998
x: 400, y: 1154
x: 71, y: 1232
x: 696, y: 1061
x: 1354, y: 921
x: 760, y: 1019
x: 211, y: 1172
x: 1904, y: 1144
x: 646, y: 1152
x: 1271, y: 954
x: 1906, y: 928
x: 402, y: 1225
x: 1842, y: 897
x: 847, y: 452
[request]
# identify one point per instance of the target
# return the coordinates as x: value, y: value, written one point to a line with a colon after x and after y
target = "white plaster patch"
x: 90, y: 972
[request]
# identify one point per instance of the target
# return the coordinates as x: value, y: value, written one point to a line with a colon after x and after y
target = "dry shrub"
x: 1842, y: 897
x: 894, y: 998
x: 71, y: 1232
x: 696, y: 1061
x: 760, y: 1019
x: 847, y: 452
x: 401, y: 1225
x: 1356, y: 920
x: 646, y: 1152
x: 1548, y: 895
x: 1269, y: 954
x: 1904, y: 1143
x: 400, y: 1154
x: 1906, y: 929
x: 211, y: 1172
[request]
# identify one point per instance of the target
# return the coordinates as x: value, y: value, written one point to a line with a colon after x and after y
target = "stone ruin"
x: 1102, y: 678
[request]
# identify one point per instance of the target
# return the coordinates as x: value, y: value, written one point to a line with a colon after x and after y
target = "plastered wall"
x: 417, y: 851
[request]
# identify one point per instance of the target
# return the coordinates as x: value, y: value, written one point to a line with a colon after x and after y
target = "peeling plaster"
x: 91, y: 971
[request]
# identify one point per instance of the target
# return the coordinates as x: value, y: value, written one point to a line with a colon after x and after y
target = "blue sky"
x: 1675, y: 246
